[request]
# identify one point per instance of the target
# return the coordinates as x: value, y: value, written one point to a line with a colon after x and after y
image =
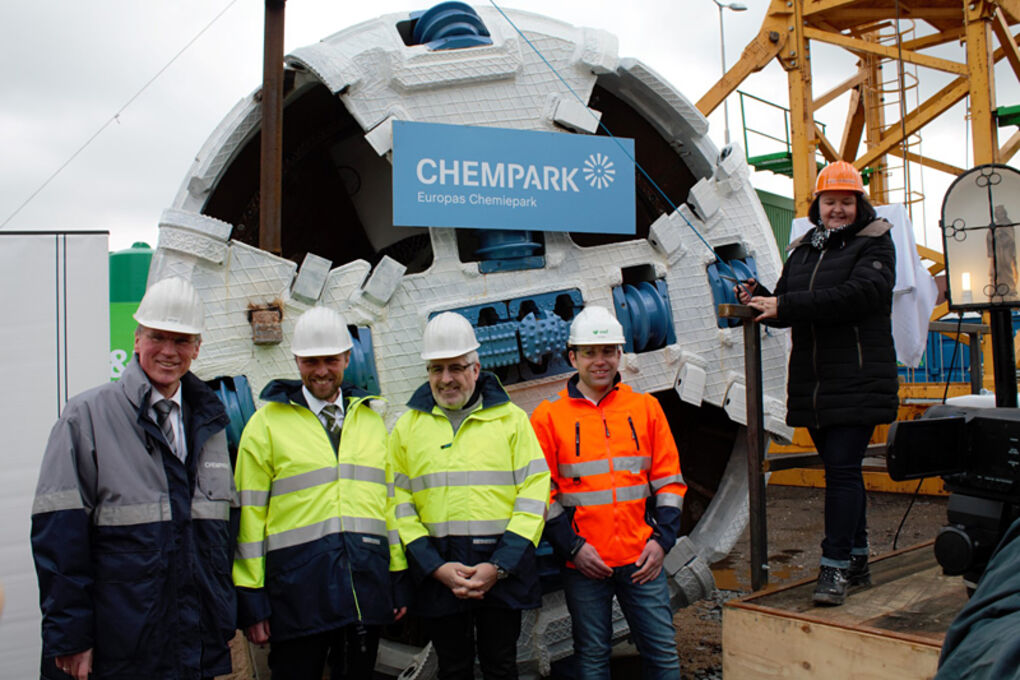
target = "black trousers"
x: 350, y: 652
x: 492, y: 630
x: 842, y: 449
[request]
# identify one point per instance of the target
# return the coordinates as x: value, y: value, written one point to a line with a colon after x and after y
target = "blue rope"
x: 614, y: 138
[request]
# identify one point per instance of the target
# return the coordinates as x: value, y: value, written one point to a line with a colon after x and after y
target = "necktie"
x: 330, y: 416
x: 164, y: 407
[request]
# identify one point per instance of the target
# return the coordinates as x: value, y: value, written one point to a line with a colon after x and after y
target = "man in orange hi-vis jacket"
x: 617, y: 494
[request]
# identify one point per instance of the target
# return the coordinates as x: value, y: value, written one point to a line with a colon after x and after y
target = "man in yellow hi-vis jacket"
x: 318, y: 556
x: 471, y: 486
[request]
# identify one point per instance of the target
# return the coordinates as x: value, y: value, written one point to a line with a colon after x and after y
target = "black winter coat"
x: 838, y: 302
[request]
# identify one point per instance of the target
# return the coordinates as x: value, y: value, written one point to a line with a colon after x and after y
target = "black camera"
x: 976, y: 451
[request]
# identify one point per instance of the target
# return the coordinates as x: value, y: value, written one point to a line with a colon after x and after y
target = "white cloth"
x: 914, y: 292
x: 180, y: 444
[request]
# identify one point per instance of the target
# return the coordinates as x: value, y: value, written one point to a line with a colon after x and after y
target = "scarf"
x: 821, y: 236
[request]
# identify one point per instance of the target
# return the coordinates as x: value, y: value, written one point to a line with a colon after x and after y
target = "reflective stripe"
x: 633, y: 464
x: 305, y: 480
x: 477, y: 527
x: 255, y: 499
x: 669, y: 500
x: 535, y: 507
x: 251, y: 550
x: 626, y: 493
x: 633, y: 493
x: 586, y: 498
x: 362, y: 473
x: 402, y: 481
x: 393, y: 536
x: 591, y: 467
x: 535, y: 467
x: 126, y: 515
x: 405, y: 510
x: 663, y: 481
x: 203, y: 509
x: 463, y: 478
x: 313, y: 532
x: 58, y: 500
x: 555, y: 510
x: 364, y: 525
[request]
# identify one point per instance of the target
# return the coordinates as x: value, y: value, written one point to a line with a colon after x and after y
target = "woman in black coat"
x: 835, y: 293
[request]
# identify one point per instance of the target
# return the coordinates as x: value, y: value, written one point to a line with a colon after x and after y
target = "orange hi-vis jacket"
x: 616, y: 479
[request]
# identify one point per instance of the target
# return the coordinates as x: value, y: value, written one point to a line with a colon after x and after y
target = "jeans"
x: 646, y: 608
x: 842, y: 449
x: 350, y: 651
x: 493, y: 628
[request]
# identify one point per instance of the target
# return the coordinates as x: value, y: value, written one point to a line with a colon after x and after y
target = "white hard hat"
x: 595, y: 326
x: 171, y: 305
x: 320, y: 332
x: 448, y: 335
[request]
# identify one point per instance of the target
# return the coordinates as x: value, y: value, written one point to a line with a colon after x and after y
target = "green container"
x: 129, y: 270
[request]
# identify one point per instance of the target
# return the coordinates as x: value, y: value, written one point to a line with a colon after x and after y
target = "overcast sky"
x: 71, y: 65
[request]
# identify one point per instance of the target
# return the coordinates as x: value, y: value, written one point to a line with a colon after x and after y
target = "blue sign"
x: 494, y: 178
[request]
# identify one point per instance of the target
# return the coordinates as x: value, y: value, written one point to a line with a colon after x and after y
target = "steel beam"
x: 933, y: 107
x: 874, y: 124
x: 848, y: 84
x: 770, y: 41
x: 1006, y: 41
x: 755, y: 432
x: 271, y: 169
x: 853, y: 128
x: 859, y: 46
x: 984, y: 133
x: 1009, y: 149
x: 796, y: 59
x: 928, y: 162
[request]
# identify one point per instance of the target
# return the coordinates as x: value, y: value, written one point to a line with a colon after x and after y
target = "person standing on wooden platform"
x: 835, y: 292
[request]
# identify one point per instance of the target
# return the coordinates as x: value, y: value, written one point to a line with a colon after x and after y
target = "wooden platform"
x: 892, y: 629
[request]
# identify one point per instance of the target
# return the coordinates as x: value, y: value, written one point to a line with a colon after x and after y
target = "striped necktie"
x: 330, y: 417
x: 164, y: 407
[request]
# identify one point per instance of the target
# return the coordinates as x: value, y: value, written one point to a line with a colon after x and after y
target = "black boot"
x: 859, y: 573
x: 831, y: 588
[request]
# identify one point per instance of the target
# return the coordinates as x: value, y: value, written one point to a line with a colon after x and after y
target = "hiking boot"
x: 859, y: 573
x: 831, y: 588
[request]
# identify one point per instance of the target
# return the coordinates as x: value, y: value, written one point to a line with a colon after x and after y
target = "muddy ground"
x: 794, y: 536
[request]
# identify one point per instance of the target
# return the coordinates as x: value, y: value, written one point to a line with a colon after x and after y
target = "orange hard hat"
x: 839, y: 176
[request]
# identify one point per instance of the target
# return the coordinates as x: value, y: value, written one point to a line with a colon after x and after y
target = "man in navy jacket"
x: 131, y: 529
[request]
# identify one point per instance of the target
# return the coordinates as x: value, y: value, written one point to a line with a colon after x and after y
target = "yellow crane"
x: 871, y: 30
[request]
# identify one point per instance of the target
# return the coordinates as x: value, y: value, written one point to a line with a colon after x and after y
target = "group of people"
x: 152, y: 546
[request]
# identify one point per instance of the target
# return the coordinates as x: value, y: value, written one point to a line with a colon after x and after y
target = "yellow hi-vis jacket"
x: 479, y: 495
x: 318, y: 540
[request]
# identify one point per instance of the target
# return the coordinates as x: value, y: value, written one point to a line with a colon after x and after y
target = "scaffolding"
x: 885, y: 114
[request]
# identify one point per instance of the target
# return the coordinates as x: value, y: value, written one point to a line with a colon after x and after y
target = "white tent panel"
x: 54, y: 343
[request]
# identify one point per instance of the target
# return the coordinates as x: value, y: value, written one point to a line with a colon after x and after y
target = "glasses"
x: 597, y: 352
x: 455, y: 370
x: 178, y: 341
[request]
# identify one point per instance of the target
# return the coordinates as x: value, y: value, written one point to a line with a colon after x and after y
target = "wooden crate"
x: 892, y: 629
